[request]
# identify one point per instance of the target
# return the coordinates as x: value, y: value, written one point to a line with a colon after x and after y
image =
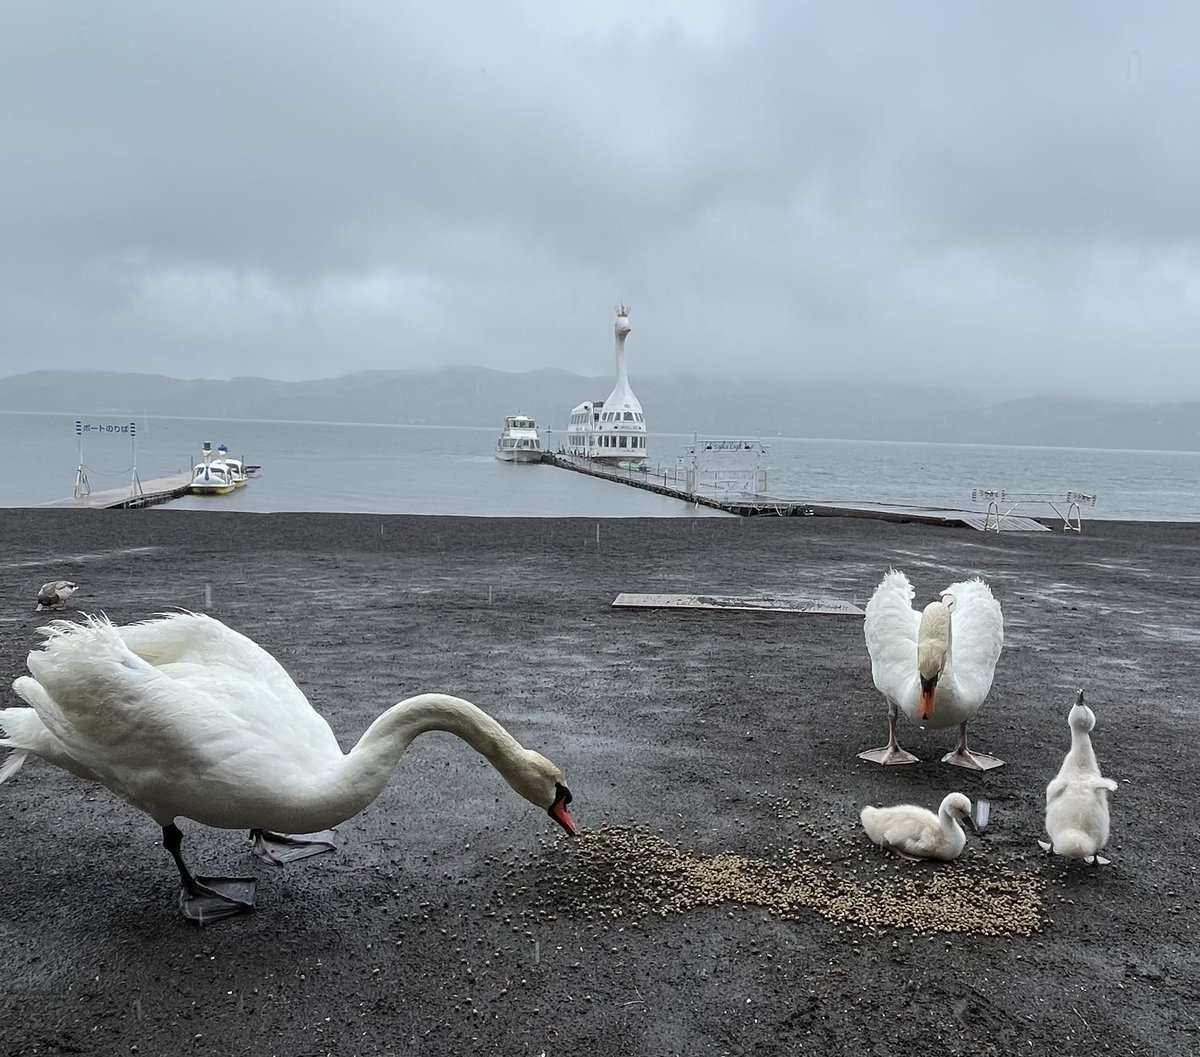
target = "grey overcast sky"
x: 987, y: 192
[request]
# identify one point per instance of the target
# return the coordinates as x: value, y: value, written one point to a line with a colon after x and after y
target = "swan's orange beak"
x: 558, y: 810
x: 925, y: 705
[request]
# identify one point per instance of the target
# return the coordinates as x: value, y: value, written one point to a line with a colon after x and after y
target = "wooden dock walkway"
x: 754, y: 504
x: 160, y: 490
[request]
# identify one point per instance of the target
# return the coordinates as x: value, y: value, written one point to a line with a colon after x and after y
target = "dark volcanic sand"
x: 452, y: 918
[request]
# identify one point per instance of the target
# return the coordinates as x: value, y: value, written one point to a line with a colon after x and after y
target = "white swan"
x: 1077, y: 797
x: 916, y: 832
x: 54, y: 595
x: 181, y: 716
x: 936, y: 665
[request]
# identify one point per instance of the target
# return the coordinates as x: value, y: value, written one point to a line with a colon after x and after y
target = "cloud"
x: 1000, y: 195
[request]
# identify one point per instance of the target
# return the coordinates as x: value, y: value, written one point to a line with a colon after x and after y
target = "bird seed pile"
x: 627, y: 870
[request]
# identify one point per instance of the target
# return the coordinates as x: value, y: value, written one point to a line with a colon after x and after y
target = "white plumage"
x: 916, y: 832
x: 1077, y: 797
x: 181, y: 716
x: 935, y: 665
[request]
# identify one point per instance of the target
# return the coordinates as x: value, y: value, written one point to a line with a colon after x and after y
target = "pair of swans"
x: 182, y: 717
x: 935, y: 665
x: 1077, y: 819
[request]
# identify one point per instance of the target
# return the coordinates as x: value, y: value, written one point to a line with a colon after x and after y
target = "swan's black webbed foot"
x: 280, y: 848
x: 208, y: 900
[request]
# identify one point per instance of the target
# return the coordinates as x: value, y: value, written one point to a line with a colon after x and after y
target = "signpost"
x: 108, y: 429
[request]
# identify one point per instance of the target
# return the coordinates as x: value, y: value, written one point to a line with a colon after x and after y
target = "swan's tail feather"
x: 16, y: 760
x: 1075, y: 844
x: 57, y: 628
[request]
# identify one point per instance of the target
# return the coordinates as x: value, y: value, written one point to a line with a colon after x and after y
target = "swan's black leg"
x: 280, y: 848
x: 206, y: 900
x: 891, y: 753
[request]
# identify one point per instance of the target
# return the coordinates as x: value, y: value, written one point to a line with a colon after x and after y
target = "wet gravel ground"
x: 722, y: 898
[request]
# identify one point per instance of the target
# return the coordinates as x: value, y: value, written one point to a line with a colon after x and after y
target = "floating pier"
x: 756, y: 504
x: 141, y: 494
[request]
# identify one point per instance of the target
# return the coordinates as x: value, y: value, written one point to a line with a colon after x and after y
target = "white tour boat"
x: 520, y: 441
x: 611, y: 430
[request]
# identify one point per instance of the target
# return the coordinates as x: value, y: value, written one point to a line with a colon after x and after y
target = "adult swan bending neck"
x: 936, y: 665
x: 182, y: 717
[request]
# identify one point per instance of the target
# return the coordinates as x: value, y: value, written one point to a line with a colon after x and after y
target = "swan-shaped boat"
x: 1077, y: 797
x: 181, y: 716
x: 916, y: 832
x: 937, y: 665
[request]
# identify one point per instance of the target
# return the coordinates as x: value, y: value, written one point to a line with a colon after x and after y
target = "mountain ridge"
x: 478, y: 396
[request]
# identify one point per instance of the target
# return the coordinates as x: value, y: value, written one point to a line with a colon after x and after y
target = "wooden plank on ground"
x: 741, y: 603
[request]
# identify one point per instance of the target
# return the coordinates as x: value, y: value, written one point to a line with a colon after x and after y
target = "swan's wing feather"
x: 193, y: 639
x: 22, y: 731
x: 978, y: 631
x: 116, y: 710
x: 890, y: 628
x: 911, y: 832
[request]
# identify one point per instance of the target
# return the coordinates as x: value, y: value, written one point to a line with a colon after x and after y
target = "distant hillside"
x: 715, y: 406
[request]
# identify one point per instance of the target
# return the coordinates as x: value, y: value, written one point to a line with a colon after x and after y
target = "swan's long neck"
x: 369, y: 764
x: 933, y: 641
x: 1082, y: 755
x: 947, y: 819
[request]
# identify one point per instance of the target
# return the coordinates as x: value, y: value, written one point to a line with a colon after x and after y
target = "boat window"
x: 628, y: 416
x: 623, y: 442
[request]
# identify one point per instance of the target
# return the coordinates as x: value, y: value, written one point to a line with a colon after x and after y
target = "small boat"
x: 211, y: 478
x: 234, y: 467
x: 520, y: 441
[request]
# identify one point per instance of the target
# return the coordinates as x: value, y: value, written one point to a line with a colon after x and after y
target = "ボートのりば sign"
x: 83, y: 429
x: 128, y: 429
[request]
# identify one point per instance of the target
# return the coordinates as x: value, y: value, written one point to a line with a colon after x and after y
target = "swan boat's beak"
x: 558, y: 810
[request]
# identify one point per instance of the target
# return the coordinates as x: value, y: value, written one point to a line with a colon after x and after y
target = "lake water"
x: 451, y: 470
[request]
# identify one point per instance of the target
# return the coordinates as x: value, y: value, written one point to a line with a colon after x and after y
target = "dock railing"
x: 684, y: 477
x: 1001, y: 497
